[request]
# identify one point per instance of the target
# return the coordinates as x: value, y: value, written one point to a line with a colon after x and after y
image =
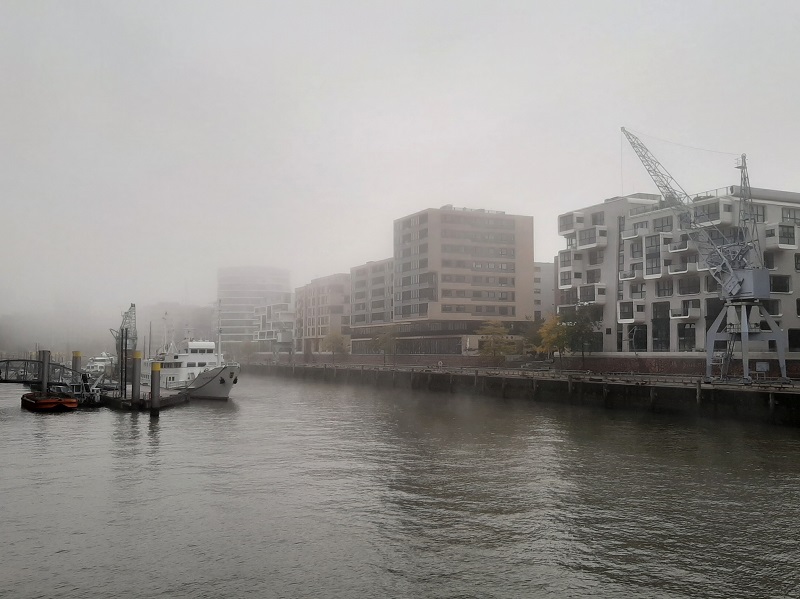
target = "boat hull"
x: 215, y: 383
x: 36, y: 402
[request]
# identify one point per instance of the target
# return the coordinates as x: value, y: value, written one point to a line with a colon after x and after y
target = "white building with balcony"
x: 636, y: 257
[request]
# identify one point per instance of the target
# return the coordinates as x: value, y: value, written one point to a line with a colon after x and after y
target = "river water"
x: 302, y: 489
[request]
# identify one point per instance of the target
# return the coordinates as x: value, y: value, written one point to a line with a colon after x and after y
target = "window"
x: 641, y: 225
x: 769, y: 261
x: 587, y: 236
x: 565, y: 258
x: 779, y: 284
x: 686, y: 336
x: 636, y: 249
x: 759, y: 212
x: 786, y: 234
x: 595, y: 257
x: 625, y: 310
x: 664, y: 288
x: 565, y: 222
x: 653, y: 265
x: 565, y: 278
x: 712, y: 285
x: 707, y: 212
x: 663, y: 224
x: 797, y: 261
x: 598, y: 218
x: 689, y: 285
x: 790, y: 215
x: 593, y: 275
x: 638, y: 291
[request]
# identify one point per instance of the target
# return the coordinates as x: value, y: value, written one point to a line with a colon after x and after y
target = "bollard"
x: 155, y: 389
x: 44, y: 358
x: 771, y: 403
x: 137, y: 379
x: 699, y: 391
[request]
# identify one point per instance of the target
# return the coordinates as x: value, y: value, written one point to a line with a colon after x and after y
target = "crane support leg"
x: 712, y: 336
x: 779, y: 337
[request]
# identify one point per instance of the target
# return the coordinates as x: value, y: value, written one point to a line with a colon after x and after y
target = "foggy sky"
x: 146, y: 143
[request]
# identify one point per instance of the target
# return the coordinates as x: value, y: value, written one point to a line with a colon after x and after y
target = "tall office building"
x: 239, y: 290
x: 455, y: 269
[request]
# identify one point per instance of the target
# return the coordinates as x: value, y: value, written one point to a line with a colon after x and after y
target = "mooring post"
x: 699, y: 391
x: 44, y: 358
x: 137, y: 379
x: 155, y: 389
x: 771, y: 403
x: 605, y: 391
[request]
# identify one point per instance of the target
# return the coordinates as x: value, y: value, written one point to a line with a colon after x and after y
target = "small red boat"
x: 49, y: 402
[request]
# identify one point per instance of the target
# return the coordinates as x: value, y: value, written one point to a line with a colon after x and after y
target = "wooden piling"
x: 155, y: 389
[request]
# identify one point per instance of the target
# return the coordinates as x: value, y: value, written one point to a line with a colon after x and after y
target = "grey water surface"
x: 296, y: 489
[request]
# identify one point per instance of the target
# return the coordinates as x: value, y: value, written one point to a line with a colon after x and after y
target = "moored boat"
x: 36, y: 401
x: 196, y: 369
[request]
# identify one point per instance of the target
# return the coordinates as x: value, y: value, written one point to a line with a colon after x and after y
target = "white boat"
x: 195, y: 369
x: 102, y: 364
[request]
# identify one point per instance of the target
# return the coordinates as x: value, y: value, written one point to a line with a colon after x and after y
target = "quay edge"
x: 768, y: 402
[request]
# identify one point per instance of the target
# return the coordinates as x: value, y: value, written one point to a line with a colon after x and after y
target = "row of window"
x: 509, y: 296
x: 480, y: 237
x: 479, y: 251
x: 498, y: 310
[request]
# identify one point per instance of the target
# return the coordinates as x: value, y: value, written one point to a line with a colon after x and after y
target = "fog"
x: 145, y: 144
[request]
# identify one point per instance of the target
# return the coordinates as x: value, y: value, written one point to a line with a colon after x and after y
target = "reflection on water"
x: 301, y: 490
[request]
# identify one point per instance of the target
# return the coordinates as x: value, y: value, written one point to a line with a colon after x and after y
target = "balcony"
x: 656, y: 272
x: 594, y: 293
x: 684, y: 313
x: 684, y: 245
x: 636, y: 274
x: 593, y: 237
x: 683, y: 268
x: 717, y: 213
x: 637, y: 232
x: 779, y: 236
x: 570, y: 222
x: 564, y: 282
x: 631, y: 312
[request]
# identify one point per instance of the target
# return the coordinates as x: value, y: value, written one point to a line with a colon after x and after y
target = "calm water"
x: 307, y: 490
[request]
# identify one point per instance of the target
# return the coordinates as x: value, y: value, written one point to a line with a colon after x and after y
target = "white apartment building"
x: 634, y: 257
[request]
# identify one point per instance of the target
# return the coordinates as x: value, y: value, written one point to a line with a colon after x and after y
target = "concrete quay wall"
x: 771, y: 403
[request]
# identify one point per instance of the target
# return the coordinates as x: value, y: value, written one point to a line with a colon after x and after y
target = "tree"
x: 494, y: 340
x: 554, y: 336
x: 532, y: 338
x: 334, y: 343
x: 582, y: 324
x: 386, y: 343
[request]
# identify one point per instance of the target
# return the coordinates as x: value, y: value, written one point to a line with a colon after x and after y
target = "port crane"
x: 734, y: 260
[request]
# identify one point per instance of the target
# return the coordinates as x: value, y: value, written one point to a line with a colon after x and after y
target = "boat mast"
x: 219, y: 334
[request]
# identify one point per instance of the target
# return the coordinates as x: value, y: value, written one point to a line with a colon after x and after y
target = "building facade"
x: 635, y: 257
x: 321, y: 307
x: 372, y: 293
x: 544, y: 290
x: 240, y: 290
x: 455, y: 269
x: 276, y: 321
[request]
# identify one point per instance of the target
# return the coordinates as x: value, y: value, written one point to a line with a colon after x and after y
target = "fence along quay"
x: 772, y: 401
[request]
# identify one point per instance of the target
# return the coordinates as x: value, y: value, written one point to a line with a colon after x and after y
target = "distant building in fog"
x: 276, y: 321
x: 240, y: 289
x: 544, y: 289
x: 321, y: 307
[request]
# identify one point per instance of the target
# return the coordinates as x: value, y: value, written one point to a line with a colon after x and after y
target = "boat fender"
x: 236, y: 380
x: 222, y: 380
x: 230, y: 375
